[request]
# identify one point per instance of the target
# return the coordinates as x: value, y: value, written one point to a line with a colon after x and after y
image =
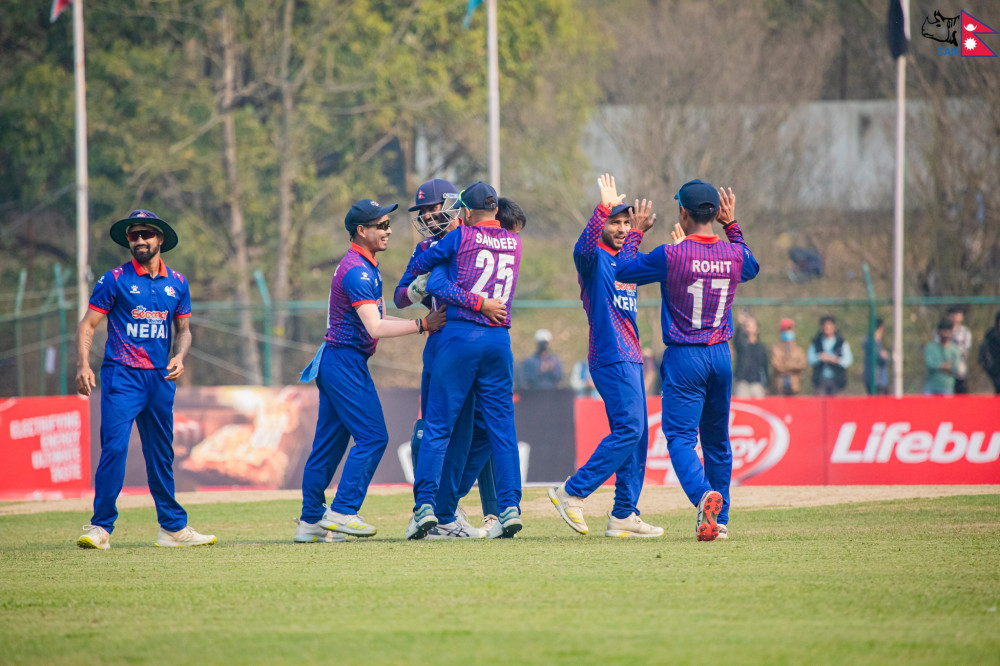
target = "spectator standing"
x: 542, y: 370
x: 989, y: 354
x: 961, y: 337
x: 750, y: 368
x: 788, y: 359
x: 942, y: 358
x: 829, y: 354
x: 878, y: 356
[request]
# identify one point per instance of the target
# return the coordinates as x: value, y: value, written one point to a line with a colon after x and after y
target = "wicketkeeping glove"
x: 417, y: 291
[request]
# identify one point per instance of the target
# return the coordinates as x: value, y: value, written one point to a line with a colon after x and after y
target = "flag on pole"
x: 899, y: 28
x: 469, y: 11
x: 972, y: 45
x: 57, y: 8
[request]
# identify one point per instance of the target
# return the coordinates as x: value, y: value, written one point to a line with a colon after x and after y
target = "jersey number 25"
x: 503, y: 264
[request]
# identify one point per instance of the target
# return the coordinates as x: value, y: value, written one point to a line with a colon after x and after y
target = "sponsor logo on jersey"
x: 101, y: 281
x: 155, y: 329
x: 625, y: 286
x: 169, y: 291
x: 759, y: 440
x: 886, y: 441
x: 134, y: 290
x: 141, y: 312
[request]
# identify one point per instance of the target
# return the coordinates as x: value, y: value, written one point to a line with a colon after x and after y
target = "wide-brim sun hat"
x: 119, y: 230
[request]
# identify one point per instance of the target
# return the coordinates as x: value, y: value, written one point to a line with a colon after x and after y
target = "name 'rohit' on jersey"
x: 703, y: 274
x: 610, y: 304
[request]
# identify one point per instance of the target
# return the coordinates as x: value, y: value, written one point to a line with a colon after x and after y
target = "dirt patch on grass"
x: 654, y: 499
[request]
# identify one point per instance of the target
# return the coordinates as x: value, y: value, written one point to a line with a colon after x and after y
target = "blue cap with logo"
x: 432, y: 193
x: 366, y: 210
x: 697, y: 195
x: 477, y: 195
x: 620, y: 208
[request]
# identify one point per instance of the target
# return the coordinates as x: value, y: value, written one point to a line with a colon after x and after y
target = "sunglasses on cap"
x: 144, y: 234
x: 384, y: 226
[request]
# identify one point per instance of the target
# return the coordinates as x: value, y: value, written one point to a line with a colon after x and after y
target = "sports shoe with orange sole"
x: 708, y: 510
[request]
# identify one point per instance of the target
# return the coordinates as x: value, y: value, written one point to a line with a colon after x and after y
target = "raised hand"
x: 609, y: 193
x: 677, y: 235
x: 495, y: 310
x: 641, y: 216
x: 727, y: 206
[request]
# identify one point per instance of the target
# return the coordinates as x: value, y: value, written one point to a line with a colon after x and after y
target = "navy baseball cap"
x: 119, y: 230
x: 695, y: 194
x: 432, y: 192
x: 366, y: 210
x: 474, y: 196
x: 620, y: 208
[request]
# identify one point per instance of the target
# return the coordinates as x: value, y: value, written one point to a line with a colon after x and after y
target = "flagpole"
x: 898, y: 206
x: 494, y: 93
x: 82, y: 185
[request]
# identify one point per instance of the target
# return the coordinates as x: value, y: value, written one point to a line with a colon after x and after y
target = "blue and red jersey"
x: 698, y: 280
x: 400, y: 297
x: 482, y: 261
x: 141, y: 309
x: 356, y: 281
x: 610, y: 304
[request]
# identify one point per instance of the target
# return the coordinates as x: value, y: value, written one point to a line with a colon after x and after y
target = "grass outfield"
x: 910, y: 581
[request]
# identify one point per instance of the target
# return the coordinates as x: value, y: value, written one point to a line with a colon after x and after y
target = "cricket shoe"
x: 457, y: 529
x: 633, y: 526
x: 94, y: 537
x: 508, y: 524
x: 489, y: 520
x: 186, y: 536
x: 352, y: 524
x: 313, y: 533
x: 708, y: 510
x: 723, y: 532
x: 569, y: 507
x: 422, y: 522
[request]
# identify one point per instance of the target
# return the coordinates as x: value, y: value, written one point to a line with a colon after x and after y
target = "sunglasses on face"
x: 144, y: 234
x: 384, y: 226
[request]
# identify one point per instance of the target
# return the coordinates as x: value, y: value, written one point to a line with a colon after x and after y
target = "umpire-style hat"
x: 119, y: 230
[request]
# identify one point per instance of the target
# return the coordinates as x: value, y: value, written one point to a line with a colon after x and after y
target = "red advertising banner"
x: 836, y: 441
x: 44, y: 447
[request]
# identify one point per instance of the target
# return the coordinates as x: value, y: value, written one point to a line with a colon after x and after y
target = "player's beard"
x: 144, y: 254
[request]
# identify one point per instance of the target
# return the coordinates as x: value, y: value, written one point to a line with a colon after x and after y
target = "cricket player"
x: 460, y: 471
x: 148, y: 307
x: 474, y: 356
x: 433, y: 223
x: 615, y: 358
x: 698, y: 280
x: 348, y: 403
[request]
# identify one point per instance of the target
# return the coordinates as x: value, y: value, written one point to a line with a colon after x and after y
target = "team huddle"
x: 464, y: 272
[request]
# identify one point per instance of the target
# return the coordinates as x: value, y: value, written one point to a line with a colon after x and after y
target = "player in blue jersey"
x: 698, y: 280
x: 473, y: 356
x: 348, y: 403
x: 615, y: 358
x: 148, y: 307
x: 433, y: 223
x: 464, y: 467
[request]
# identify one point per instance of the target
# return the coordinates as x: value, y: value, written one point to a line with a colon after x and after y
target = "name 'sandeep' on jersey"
x: 505, y: 243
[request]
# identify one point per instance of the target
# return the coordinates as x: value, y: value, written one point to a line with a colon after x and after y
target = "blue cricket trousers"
x: 348, y: 406
x: 470, y: 359
x: 463, y: 466
x: 697, y: 386
x: 623, y: 452
x: 143, y: 396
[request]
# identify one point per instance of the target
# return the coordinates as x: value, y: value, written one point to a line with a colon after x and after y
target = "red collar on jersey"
x: 364, y: 253
x: 609, y: 250
x: 706, y: 240
x: 488, y: 223
x: 139, y: 270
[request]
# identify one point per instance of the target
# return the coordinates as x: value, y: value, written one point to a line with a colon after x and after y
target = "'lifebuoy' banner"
x: 836, y: 441
x: 44, y: 447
